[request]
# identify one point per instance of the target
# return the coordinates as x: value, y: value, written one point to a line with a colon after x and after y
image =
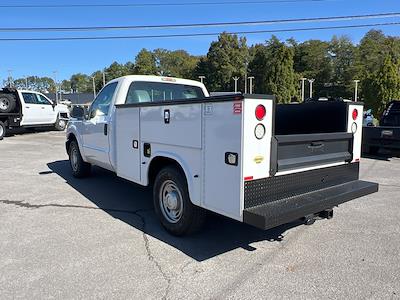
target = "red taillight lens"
x: 355, y: 114
x: 260, y: 112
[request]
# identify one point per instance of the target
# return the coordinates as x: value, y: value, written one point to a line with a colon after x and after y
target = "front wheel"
x: 2, y: 130
x: 60, y: 124
x: 172, y: 204
x: 79, y: 167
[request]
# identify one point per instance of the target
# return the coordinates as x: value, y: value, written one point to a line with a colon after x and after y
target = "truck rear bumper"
x: 289, y: 209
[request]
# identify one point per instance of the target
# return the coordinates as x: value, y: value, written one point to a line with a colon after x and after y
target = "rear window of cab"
x: 144, y: 92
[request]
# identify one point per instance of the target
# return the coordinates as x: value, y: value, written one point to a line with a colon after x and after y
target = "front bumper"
x: 274, y: 201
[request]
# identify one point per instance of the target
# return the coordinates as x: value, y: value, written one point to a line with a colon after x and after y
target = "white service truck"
x: 241, y: 156
x: 30, y: 109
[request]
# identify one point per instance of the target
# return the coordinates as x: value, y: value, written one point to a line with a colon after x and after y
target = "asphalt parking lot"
x: 98, y: 238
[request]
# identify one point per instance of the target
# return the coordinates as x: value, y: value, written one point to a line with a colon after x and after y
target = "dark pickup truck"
x: 387, y: 135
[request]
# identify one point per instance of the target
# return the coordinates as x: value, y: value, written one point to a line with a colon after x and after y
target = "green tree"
x: 177, y: 63
x: 145, y: 63
x: 342, y: 53
x: 272, y: 67
x: 312, y: 60
x: 383, y: 86
x: 81, y: 83
x: 227, y: 57
x: 35, y: 83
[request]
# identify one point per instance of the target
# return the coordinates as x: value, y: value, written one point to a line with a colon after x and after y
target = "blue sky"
x: 68, y: 57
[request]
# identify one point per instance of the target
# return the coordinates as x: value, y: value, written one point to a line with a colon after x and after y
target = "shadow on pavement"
x: 27, y: 131
x: 132, y: 204
x: 383, y: 154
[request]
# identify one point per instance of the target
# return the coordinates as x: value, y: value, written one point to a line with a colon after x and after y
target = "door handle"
x: 167, y: 116
x: 105, y: 129
x: 42, y: 107
x: 316, y: 145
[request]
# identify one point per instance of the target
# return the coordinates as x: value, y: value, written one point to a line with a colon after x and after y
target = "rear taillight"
x: 260, y: 112
x: 355, y: 114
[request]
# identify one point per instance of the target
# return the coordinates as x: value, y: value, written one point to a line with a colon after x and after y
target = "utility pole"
x: 356, y: 90
x: 55, y: 84
x: 311, y: 81
x: 202, y: 79
x: 94, y: 87
x: 10, y: 79
x: 104, y: 78
x: 302, y: 88
x: 236, y: 83
x: 251, y: 84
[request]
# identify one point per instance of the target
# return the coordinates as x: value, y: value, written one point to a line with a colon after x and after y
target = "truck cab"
x: 242, y: 156
x: 96, y: 132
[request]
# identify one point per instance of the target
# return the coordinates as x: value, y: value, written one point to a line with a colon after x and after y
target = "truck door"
x: 31, y: 109
x: 96, y: 130
x: 47, y: 114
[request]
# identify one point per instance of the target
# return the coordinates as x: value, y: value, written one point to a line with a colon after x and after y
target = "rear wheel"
x: 7, y: 103
x: 2, y: 130
x: 172, y: 203
x: 79, y: 167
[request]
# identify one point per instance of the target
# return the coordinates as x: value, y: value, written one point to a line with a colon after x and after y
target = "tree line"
x: 277, y: 67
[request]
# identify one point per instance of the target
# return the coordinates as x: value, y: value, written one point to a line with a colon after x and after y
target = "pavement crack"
x: 151, y: 256
x: 25, y: 204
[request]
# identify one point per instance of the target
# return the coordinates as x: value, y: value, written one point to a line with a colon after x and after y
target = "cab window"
x: 142, y: 92
x: 42, y: 100
x: 101, y: 104
x: 30, y: 98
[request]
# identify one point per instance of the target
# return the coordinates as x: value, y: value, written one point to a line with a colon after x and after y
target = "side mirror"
x: 78, y: 112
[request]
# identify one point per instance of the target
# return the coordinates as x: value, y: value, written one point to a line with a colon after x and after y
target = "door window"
x: 30, y: 98
x: 42, y: 100
x: 101, y: 104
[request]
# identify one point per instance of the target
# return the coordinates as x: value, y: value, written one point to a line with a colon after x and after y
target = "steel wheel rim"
x: 4, y: 103
x: 1, y: 131
x: 74, y: 159
x: 61, y: 123
x: 171, y: 201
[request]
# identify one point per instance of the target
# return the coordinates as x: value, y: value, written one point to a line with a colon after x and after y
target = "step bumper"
x: 286, y: 210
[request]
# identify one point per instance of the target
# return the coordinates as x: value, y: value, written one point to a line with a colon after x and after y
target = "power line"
x: 202, y: 25
x: 197, y: 34
x: 156, y: 4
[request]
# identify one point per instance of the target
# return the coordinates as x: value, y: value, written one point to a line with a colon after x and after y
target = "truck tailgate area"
x: 273, y: 201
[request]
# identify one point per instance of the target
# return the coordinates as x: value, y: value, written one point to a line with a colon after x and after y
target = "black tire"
x: 80, y: 168
x: 8, y: 102
x: 3, y: 130
x: 60, y: 124
x: 191, y: 217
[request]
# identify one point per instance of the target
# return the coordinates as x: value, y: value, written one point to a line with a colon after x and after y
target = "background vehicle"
x: 242, y: 156
x: 368, y: 118
x: 387, y: 134
x: 22, y: 108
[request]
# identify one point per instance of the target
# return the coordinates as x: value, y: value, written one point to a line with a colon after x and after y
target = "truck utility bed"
x: 308, y: 160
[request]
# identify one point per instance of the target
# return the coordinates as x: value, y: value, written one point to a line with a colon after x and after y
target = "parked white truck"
x: 241, y: 156
x: 23, y: 108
